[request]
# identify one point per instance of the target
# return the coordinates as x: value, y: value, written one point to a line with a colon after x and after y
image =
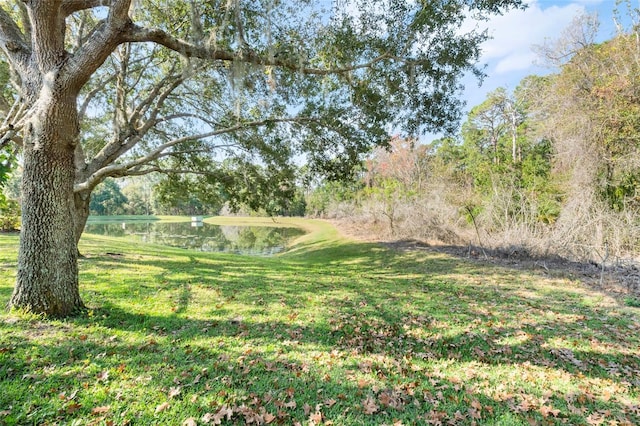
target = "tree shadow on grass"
x: 5, y: 292
x: 357, y: 369
x: 391, y: 324
x: 383, y: 279
x: 377, y: 329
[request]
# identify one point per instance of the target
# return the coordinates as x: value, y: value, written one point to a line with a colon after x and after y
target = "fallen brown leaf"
x: 72, y: 408
x: 101, y: 410
x: 330, y: 402
x: 160, y: 408
x: 369, y: 406
x: 315, y: 418
x: 546, y: 411
x: 189, y: 422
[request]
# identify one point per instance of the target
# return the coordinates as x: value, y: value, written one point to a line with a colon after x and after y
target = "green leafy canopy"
x: 309, y: 83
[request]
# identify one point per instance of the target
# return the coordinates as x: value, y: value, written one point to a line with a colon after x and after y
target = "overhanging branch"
x: 136, y: 33
x: 161, y: 151
x: 72, y: 6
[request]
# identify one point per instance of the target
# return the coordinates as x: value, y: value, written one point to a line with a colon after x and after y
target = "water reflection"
x: 250, y: 240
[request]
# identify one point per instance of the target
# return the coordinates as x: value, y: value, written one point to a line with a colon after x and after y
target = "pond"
x: 200, y: 236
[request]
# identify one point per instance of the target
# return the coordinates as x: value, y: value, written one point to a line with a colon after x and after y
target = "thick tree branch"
x: 120, y: 116
x: 118, y: 29
x: 12, y: 42
x: 119, y: 10
x: 139, y: 34
x: 10, y: 34
x: 48, y: 36
x: 72, y: 6
x: 26, y: 23
x: 108, y: 35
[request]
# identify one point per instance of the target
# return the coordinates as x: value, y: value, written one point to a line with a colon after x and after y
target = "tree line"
x: 154, y: 195
x: 551, y: 167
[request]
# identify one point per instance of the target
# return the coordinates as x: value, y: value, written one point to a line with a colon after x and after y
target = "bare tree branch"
x: 159, y: 169
x: 12, y: 123
x: 134, y: 130
x: 129, y: 169
x: 139, y: 172
x: 10, y: 136
x: 82, y: 33
x: 82, y: 111
x: 160, y: 151
x: 172, y: 117
x: 14, y: 115
x: 158, y: 95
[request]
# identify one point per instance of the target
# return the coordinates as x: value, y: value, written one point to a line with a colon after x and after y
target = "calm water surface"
x: 251, y: 240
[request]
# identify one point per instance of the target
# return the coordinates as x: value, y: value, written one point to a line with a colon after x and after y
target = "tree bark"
x: 47, y: 279
x: 81, y: 212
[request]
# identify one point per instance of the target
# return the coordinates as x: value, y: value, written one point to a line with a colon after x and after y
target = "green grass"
x: 334, y: 331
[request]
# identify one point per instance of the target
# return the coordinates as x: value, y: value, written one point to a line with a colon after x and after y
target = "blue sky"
x: 509, y: 55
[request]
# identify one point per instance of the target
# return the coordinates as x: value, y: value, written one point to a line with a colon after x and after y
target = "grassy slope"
x: 335, y: 331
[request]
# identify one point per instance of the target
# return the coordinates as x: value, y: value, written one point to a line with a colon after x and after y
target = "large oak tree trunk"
x: 47, y: 280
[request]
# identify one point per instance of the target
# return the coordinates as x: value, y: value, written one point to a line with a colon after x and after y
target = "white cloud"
x: 514, y: 62
x: 514, y: 33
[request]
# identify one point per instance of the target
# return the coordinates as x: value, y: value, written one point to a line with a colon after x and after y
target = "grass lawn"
x: 333, y: 332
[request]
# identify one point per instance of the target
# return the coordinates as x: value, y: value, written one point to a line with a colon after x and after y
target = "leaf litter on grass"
x: 379, y: 337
